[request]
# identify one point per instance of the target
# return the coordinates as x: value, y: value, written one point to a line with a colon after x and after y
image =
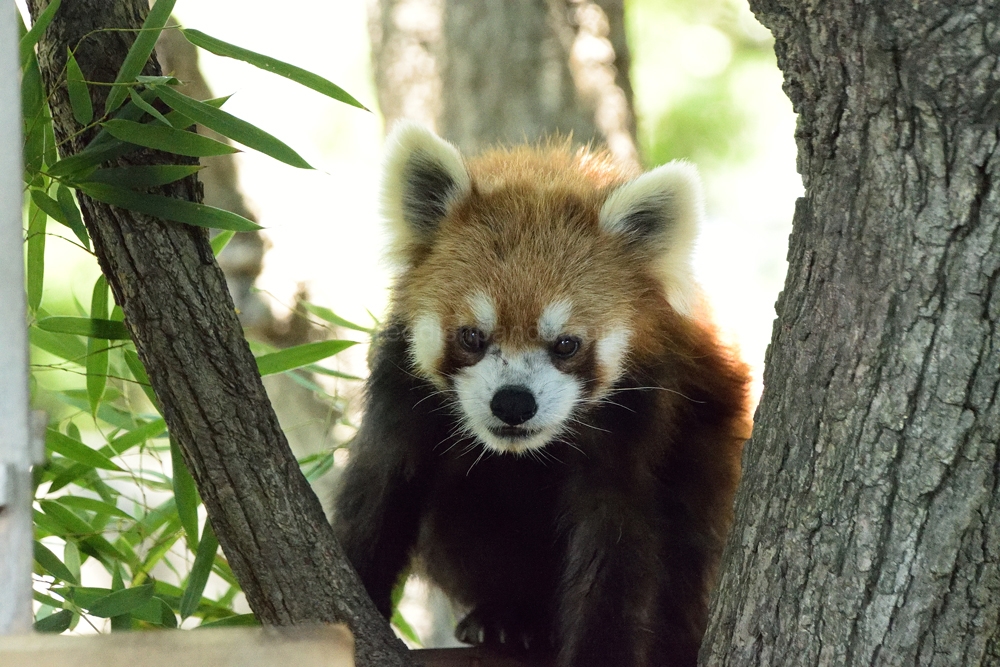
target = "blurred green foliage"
x: 686, y: 57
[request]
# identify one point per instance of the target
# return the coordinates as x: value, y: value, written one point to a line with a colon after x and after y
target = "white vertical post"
x: 15, y: 445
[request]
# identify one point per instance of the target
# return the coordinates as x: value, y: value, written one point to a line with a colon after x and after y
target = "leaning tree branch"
x: 181, y: 317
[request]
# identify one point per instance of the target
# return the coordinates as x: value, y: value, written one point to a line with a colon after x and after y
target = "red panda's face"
x: 531, y: 278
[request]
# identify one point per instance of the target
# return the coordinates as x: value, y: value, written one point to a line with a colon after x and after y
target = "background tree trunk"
x: 867, y: 527
x: 185, y: 329
x: 482, y: 72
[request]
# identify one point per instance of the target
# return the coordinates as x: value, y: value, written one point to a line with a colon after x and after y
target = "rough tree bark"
x: 182, y: 321
x: 867, y: 525
x: 483, y: 72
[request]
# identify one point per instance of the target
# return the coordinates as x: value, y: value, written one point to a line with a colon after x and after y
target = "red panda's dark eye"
x: 566, y: 346
x: 472, y: 339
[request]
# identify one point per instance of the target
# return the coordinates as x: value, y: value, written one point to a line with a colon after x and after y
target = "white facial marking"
x: 611, y: 352
x: 484, y: 312
x: 427, y: 342
x: 555, y: 393
x: 554, y: 318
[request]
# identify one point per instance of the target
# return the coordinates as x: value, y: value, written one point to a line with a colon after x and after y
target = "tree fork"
x: 866, y: 524
x: 181, y: 317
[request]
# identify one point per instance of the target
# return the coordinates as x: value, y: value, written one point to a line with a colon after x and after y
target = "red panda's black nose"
x: 514, y: 404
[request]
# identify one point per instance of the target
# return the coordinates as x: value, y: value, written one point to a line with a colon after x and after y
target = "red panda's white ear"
x: 659, y: 213
x: 422, y: 175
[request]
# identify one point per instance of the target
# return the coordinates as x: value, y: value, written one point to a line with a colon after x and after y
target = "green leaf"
x: 28, y: 41
x: 105, y: 147
x: 35, y: 258
x: 34, y: 110
x: 169, y: 139
x: 96, y: 506
x: 97, y: 348
x: 71, y: 558
x: 144, y: 176
x: 221, y: 240
x: 236, y: 621
x: 148, y: 431
x: 139, y: 53
x: 49, y: 205
x: 168, y: 208
x: 157, y: 612
x: 51, y: 564
x: 121, y: 602
x: 296, y: 74
x: 199, y: 571
x: 84, y: 326
x: 332, y: 317
x: 230, y: 126
x: 58, y: 622
x: 70, y: 348
x: 300, y: 355
x: 147, y: 107
x: 185, y: 494
x: 67, y: 204
x: 79, y: 93
x: 77, y: 451
x: 404, y: 627
x: 139, y: 373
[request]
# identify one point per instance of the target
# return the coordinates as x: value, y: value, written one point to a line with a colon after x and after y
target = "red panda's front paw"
x: 483, y: 628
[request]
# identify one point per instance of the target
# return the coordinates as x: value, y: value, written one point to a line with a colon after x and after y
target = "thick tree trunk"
x: 483, y: 72
x: 867, y: 525
x: 182, y: 320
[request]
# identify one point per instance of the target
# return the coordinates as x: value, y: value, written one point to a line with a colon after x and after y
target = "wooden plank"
x: 15, y: 452
x: 319, y: 646
x: 471, y: 657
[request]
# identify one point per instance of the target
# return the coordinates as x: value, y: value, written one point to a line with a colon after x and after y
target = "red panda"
x: 551, y: 432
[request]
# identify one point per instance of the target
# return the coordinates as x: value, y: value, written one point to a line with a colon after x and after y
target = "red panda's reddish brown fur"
x: 552, y: 427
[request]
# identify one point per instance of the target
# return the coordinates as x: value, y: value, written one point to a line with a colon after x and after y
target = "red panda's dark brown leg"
x: 382, y: 492
x: 608, y: 605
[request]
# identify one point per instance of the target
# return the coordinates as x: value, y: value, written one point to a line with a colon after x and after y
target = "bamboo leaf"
x: 85, y: 326
x: 300, y: 355
x: 51, y: 564
x: 185, y: 494
x: 221, y: 240
x: 236, y: 621
x: 67, y: 204
x: 230, y: 126
x: 147, y: 107
x: 49, y: 205
x: 169, y: 139
x: 121, y: 602
x: 404, y: 627
x: 35, y: 257
x: 28, y: 41
x: 77, y: 451
x: 157, y: 612
x: 168, y: 208
x: 199, y: 571
x: 139, y: 373
x: 57, y: 623
x: 70, y: 348
x: 148, y: 431
x: 105, y: 147
x: 332, y: 317
x: 96, y: 506
x: 138, y: 54
x: 35, y: 113
x: 143, y: 176
x: 97, y: 348
x: 79, y: 93
x: 273, y: 65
